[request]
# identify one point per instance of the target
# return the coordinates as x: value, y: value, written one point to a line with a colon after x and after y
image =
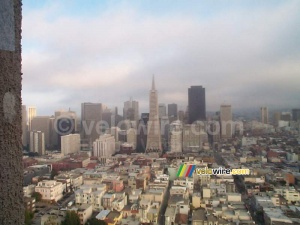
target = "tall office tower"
x: 105, y: 145
x: 24, y: 126
x: 37, y: 142
x: 264, y: 115
x: 175, y: 140
x: 31, y: 115
x: 42, y: 123
x: 172, y: 112
x: 276, y: 118
x: 153, y: 127
x: 296, y: 114
x: 197, y: 107
x: 191, y: 137
x: 286, y: 116
x: 226, y: 121
x: 162, y: 109
x: 91, y: 114
x: 181, y: 115
x: 132, y: 137
x: 69, y: 117
x: 131, y: 110
x: 70, y: 144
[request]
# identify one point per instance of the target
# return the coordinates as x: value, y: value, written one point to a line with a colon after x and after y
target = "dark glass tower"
x: 197, y: 108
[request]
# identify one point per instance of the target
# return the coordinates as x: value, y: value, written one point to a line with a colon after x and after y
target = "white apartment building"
x: 90, y: 194
x: 105, y: 145
x: 70, y: 144
x: 50, y: 190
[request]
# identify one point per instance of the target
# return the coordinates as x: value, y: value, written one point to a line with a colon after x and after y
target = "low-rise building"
x: 50, y: 190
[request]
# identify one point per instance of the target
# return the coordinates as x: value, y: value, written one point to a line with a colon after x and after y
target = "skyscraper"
x: 37, y: 142
x: 31, y: 115
x: 131, y: 110
x: 42, y: 123
x: 91, y: 114
x: 264, y: 115
x: 296, y: 114
x: 153, y: 137
x: 226, y: 121
x: 24, y: 126
x: 197, y: 107
x: 162, y: 110
x: 172, y: 110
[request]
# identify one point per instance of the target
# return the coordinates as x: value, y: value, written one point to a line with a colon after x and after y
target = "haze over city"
x: 245, y: 53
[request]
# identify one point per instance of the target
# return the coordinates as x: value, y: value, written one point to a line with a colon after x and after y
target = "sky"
x: 244, y: 53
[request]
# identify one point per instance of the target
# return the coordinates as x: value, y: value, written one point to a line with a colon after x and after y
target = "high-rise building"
x: 276, y: 118
x: 91, y: 116
x: 175, y: 140
x: 70, y: 144
x: 153, y: 127
x: 131, y: 110
x: 31, y: 115
x: 191, y: 137
x: 197, y: 107
x: 264, y: 115
x: 296, y: 114
x: 172, y: 110
x: 162, y: 109
x: 42, y: 123
x: 105, y: 145
x: 24, y: 126
x: 67, y: 115
x: 37, y: 142
x: 226, y: 121
x: 132, y: 137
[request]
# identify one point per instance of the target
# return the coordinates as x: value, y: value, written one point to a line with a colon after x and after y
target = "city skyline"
x: 243, y: 53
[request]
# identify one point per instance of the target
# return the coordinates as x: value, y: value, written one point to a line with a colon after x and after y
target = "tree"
x: 28, y: 217
x: 37, y: 196
x: 53, y: 174
x: 95, y: 221
x: 71, y: 218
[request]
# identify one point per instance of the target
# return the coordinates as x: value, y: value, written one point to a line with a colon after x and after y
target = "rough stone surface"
x: 11, y: 171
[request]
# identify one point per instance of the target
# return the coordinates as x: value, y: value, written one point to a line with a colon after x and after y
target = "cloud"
x: 108, y: 57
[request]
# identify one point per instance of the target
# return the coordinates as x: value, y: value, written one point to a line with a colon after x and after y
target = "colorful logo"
x: 186, y: 170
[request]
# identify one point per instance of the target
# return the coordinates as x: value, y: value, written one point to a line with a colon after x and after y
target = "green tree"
x: 37, y: 196
x: 53, y: 174
x: 28, y: 217
x: 71, y: 218
x: 94, y: 221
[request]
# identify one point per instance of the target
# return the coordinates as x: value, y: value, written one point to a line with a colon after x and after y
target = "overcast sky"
x: 245, y: 53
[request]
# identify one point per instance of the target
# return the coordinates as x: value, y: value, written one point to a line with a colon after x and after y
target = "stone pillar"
x: 11, y: 170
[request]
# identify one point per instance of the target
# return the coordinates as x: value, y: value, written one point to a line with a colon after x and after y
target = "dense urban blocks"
x: 11, y: 171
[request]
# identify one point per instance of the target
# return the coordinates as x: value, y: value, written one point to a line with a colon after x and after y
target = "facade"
x: 226, y: 121
x: 197, y: 105
x: 91, y: 114
x: 42, y: 123
x: 191, y: 138
x: 37, y: 142
x: 31, y: 115
x: 105, y: 145
x: 50, y: 190
x: 264, y: 115
x: 70, y: 144
x: 153, y: 128
x: 172, y: 111
x: 296, y: 114
x: 131, y: 110
x: 24, y: 125
x: 132, y: 137
x: 162, y: 109
x: 175, y: 140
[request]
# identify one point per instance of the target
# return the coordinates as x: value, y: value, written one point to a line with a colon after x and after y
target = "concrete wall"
x: 11, y: 171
